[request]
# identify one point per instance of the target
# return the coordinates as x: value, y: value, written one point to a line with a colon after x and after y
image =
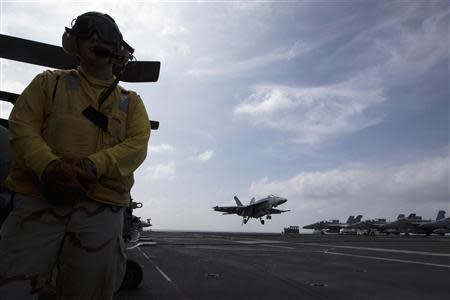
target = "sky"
x: 342, y: 107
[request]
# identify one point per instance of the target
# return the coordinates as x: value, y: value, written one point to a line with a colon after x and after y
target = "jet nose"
x: 282, y: 200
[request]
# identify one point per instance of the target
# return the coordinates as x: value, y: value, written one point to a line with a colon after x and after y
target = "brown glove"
x: 61, y: 173
x: 86, y: 172
x: 60, y: 184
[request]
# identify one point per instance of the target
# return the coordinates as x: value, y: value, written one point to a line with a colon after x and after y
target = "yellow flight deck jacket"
x: 46, y: 124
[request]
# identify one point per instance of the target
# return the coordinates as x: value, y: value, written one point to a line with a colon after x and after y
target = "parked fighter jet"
x: 333, y: 226
x: 369, y: 227
x: 440, y: 226
x: 256, y: 209
x: 411, y: 224
x: 133, y: 226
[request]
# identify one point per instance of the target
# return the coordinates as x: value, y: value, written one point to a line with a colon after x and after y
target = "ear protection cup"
x: 69, y: 43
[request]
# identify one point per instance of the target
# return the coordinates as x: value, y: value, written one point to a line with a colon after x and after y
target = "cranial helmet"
x: 85, y: 25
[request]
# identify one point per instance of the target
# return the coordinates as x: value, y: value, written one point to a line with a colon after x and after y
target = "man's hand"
x: 60, y: 185
x: 86, y: 172
x: 61, y: 173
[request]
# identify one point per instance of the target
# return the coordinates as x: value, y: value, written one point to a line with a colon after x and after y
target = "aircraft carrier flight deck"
x: 201, y: 265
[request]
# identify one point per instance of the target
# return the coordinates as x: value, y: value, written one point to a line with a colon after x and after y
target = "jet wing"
x: 278, y: 211
x: 228, y: 209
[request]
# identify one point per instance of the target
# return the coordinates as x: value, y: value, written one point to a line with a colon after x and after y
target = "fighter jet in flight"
x: 333, y: 226
x: 256, y: 209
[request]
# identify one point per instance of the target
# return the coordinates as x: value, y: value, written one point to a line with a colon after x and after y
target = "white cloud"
x: 205, y: 156
x: 266, y: 100
x: 314, y: 114
x: 399, y: 50
x: 420, y: 186
x: 13, y: 86
x: 161, y: 172
x: 394, y: 53
x: 5, y: 110
x: 161, y: 148
x: 413, y: 52
x: 217, y: 67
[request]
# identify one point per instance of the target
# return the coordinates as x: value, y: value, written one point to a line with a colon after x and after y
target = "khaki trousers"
x: 81, y: 242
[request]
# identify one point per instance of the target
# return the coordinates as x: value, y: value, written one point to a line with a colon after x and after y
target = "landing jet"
x: 333, y: 226
x: 255, y: 209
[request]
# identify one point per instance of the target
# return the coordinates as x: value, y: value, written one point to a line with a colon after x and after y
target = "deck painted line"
x: 257, y: 242
x: 229, y: 248
x: 156, y: 267
x: 163, y: 274
x: 144, y: 254
x: 388, y: 259
x: 378, y: 249
x: 280, y: 247
x: 141, y: 244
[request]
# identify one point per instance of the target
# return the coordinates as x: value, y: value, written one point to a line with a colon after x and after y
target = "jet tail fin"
x: 358, y: 219
x: 252, y: 201
x: 401, y: 216
x: 440, y: 215
x: 350, y: 219
x: 238, y: 202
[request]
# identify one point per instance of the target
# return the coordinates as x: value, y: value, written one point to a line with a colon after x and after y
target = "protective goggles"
x: 103, y: 25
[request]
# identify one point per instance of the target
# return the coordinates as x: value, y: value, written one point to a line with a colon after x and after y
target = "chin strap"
x: 95, y: 116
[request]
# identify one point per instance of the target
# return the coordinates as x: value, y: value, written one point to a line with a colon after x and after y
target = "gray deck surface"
x: 194, y: 265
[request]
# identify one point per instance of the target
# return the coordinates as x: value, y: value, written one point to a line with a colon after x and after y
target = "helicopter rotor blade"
x: 8, y: 97
x: 4, y: 123
x: 47, y: 55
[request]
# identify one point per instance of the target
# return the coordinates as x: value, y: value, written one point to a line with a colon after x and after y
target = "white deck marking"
x: 378, y: 249
x: 156, y: 267
x: 280, y: 247
x: 388, y: 259
x: 230, y: 248
x: 141, y: 244
x: 143, y: 253
x: 254, y: 242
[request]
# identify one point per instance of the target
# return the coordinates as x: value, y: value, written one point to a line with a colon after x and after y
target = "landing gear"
x: 262, y: 221
x: 269, y: 217
x: 245, y: 220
